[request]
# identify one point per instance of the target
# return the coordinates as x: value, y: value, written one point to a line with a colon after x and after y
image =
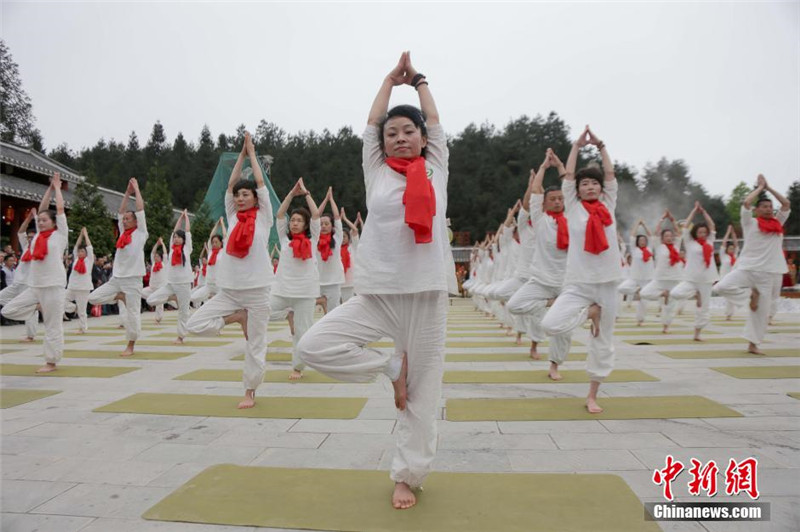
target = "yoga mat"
x: 665, y: 340
x: 271, y: 357
x: 539, y: 377
x: 9, y: 397
x: 783, y: 330
x: 492, y: 334
x: 91, y: 333
x: 225, y: 336
x: 137, y: 354
x: 144, y: 328
x: 17, y: 342
x: 189, y: 342
x: 505, y: 357
x: 573, y: 408
x: 280, y: 343
x: 171, y: 404
x: 672, y: 332
x: 359, y: 500
x: 796, y: 395
x: 729, y: 353
x: 29, y: 370
x: 766, y: 372
x: 235, y: 375
x: 508, y: 343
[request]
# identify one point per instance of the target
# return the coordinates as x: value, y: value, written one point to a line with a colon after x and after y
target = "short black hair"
x: 417, y: 116
x: 246, y: 184
x: 697, y: 227
x: 218, y: 237
x: 646, y: 240
x: 306, y: 214
x: 590, y: 172
x: 551, y: 188
x: 51, y: 213
x: 762, y: 198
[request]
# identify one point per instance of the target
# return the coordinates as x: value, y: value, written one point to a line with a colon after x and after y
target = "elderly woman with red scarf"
x: 403, y: 272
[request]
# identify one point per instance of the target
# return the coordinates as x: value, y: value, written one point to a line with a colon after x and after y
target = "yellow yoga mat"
x: 539, y: 377
x: 38, y: 341
x: 504, y: 357
x: 29, y: 370
x: 764, y: 372
x: 487, y: 334
x: 672, y: 332
x: 234, y: 375
x: 11, y: 397
x: 271, y: 357
x: 359, y: 500
x: 225, y: 336
x: 666, y: 340
x: 188, y: 342
x: 508, y: 343
x: 170, y: 404
x: 138, y: 354
x: 85, y: 337
x: 728, y: 353
x: 573, y: 408
x: 795, y: 395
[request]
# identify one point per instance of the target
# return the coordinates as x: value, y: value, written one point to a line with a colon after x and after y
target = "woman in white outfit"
x: 642, y: 268
x: 593, y: 262
x: 669, y: 269
x: 329, y: 258
x: 403, y: 272
x: 47, y: 276
x: 349, y: 248
x: 80, y: 280
x: 729, y: 251
x: 244, y: 277
x: 209, y: 269
x: 158, y: 275
x: 179, y: 275
x: 21, y: 274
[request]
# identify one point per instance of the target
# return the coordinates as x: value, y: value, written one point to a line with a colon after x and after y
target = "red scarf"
x: 674, y: 255
x: 708, y: 251
x: 324, y: 246
x: 213, y: 260
x: 205, y: 269
x: 599, y: 217
x: 157, y: 266
x: 770, y: 225
x: 177, y: 255
x: 125, y: 238
x: 241, y: 238
x: 419, y: 197
x: 345, y: 257
x: 301, y: 246
x: 80, y: 265
x: 39, y: 247
x: 733, y: 258
x: 562, y: 238
x: 646, y: 254
x: 275, y: 268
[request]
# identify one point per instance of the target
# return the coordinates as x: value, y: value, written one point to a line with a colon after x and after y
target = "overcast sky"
x: 715, y: 84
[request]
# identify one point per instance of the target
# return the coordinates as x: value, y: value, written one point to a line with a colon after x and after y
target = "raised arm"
x: 608, y: 164
x: 297, y: 190
x: 163, y: 247
x: 735, y: 239
x: 572, y: 160
x: 538, y: 179
x: 187, y: 228
x: 526, y: 199
x: 697, y: 208
x: 45, y: 203
x: 646, y: 229
x: 236, y: 173
x: 350, y: 224
x: 709, y: 221
x: 85, y: 235
x: 222, y: 228
x: 137, y: 194
x: 251, y: 153
x: 380, y: 105
x: 785, y: 205
x: 635, y: 228
x: 426, y: 102
x: 55, y: 185
x: 312, y: 207
x: 334, y: 208
x: 325, y: 200
x: 761, y: 185
x: 80, y: 237
x: 123, y: 206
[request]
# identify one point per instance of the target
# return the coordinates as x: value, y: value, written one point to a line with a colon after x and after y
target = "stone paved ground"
x: 66, y: 468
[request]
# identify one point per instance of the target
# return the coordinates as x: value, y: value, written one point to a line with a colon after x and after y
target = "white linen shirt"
x: 549, y: 263
x: 296, y: 277
x: 50, y: 271
x: 82, y: 281
x: 129, y: 261
x: 157, y: 278
x: 639, y: 269
x: 761, y: 252
x: 526, y: 235
x: 696, y: 270
x: 331, y: 271
x: 23, y: 268
x: 180, y: 273
x: 664, y: 270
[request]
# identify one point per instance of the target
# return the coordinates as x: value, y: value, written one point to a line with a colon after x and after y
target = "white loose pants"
x: 10, y: 292
x: 652, y: 292
x: 629, y: 287
x: 303, y: 308
x: 51, y: 300
x: 570, y: 311
x: 737, y: 286
x: 336, y: 346
x: 132, y: 288
x: 531, y: 301
x: 686, y: 289
x: 210, y: 319
x: 333, y: 293
x: 183, y: 292
x: 201, y: 294
x: 81, y: 299
x: 147, y: 292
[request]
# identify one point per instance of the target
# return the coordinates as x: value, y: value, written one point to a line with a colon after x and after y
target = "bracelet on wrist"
x: 417, y: 86
x: 601, y: 145
x: 416, y: 79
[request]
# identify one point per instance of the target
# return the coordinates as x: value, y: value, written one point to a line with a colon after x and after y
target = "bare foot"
x: 295, y: 375
x: 80, y: 331
x: 27, y: 339
x: 594, y: 315
x: 401, y: 386
x: 120, y: 326
x: 753, y: 349
x: 120, y: 297
x: 639, y: 323
x: 519, y: 339
x: 240, y: 317
x: 754, y: 296
x: 665, y: 330
x: 249, y: 400
x: 592, y: 406
x: 158, y: 321
x: 128, y: 350
x: 534, y: 353
x: 403, y: 497
x: 178, y: 341
x: 509, y: 331
x: 697, y: 335
x: 47, y: 368
x: 553, y: 373
x: 729, y: 317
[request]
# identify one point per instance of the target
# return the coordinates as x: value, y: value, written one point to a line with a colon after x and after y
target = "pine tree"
x: 88, y: 210
x: 17, y: 123
x: 158, y: 202
x: 792, y: 226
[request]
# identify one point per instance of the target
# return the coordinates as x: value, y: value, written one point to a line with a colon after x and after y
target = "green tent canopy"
x: 215, y: 195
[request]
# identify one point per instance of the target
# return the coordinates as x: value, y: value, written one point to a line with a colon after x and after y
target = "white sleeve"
x: 371, y: 154
x: 537, y: 200
x: 436, y: 151
x: 570, y: 197
x: 230, y: 206
x: 610, y: 189
x: 264, y: 206
x: 141, y: 223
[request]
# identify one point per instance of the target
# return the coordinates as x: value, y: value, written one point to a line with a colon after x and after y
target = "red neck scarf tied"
x: 345, y: 257
x: 732, y: 257
x: 646, y: 253
x: 301, y: 246
x: 274, y: 268
x: 177, y: 255
x: 39, y: 247
x: 241, y: 238
x: 674, y: 255
x: 419, y: 197
x: 599, y: 218
x: 213, y: 259
x: 562, y: 238
x: 770, y: 225
x: 80, y: 265
x: 324, y: 246
x: 125, y: 238
x: 205, y: 269
x: 708, y: 251
x: 157, y: 266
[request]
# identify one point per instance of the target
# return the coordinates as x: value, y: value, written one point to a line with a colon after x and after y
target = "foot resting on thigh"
x: 249, y: 400
x: 594, y: 316
x: 120, y: 297
x: 401, y: 385
x: 403, y: 497
x: 753, y: 348
x: 295, y: 375
x: 47, y: 368
x: 534, y: 353
x: 754, y: 297
x: 553, y: 373
x: 240, y: 317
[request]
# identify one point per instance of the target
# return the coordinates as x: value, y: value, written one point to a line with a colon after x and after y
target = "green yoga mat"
x: 348, y: 500
x: 188, y: 342
x: 226, y: 336
x: 729, y: 353
x: 122, y: 331
x: 9, y: 397
x: 234, y: 375
x: 539, y: 377
x: 29, y: 370
x: 280, y: 343
x: 766, y: 372
x: 795, y: 395
x: 169, y: 404
x: 573, y: 408
x: 271, y: 357
x: 137, y: 355
x: 666, y: 340
x: 505, y: 357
